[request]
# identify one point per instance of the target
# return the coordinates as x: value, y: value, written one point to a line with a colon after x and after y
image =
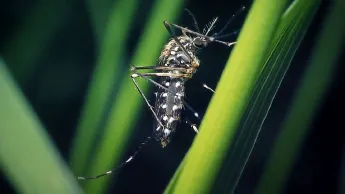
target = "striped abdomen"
x: 168, y: 108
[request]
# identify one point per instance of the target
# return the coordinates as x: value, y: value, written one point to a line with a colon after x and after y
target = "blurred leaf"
x: 126, y: 108
x: 102, y: 83
x: 23, y: 49
x: 99, y: 16
x: 172, y: 184
x: 306, y: 102
x: 205, y: 158
x: 27, y: 156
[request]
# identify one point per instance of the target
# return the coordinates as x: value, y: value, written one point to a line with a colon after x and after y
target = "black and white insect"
x: 178, y: 62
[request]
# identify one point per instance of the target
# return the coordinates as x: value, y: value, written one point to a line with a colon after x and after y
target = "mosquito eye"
x: 199, y: 42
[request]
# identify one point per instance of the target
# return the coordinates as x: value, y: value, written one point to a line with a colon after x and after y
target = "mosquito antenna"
x: 230, y: 20
x: 228, y: 35
x: 209, y: 26
x: 131, y: 158
x: 194, y: 20
x: 209, y: 38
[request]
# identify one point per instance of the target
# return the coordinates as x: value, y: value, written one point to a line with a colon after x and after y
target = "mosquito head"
x: 200, y: 42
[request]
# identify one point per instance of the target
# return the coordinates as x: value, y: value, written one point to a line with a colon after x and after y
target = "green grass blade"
x: 306, y: 102
x: 286, y: 41
x: 126, y: 108
x: 205, y: 158
x: 27, y: 156
x: 172, y: 184
x: 99, y: 15
x: 101, y: 86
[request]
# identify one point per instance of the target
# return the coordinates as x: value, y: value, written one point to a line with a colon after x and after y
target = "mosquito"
x: 178, y: 62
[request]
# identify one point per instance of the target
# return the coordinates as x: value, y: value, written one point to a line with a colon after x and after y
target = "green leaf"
x: 102, y: 83
x: 285, y: 43
x: 27, y: 156
x: 306, y: 101
x: 126, y: 109
x: 206, y: 156
x: 99, y: 17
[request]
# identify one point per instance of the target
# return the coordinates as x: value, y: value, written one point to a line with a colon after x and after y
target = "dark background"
x: 56, y: 92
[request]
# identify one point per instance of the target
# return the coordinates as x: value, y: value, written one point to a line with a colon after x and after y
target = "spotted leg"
x: 208, y: 88
x: 131, y: 158
x: 147, y: 77
x: 193, y: 126
x: 133, y: 76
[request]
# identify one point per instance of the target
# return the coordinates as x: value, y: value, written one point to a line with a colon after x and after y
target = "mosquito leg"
x: 194, y: 20
x: 142, y: 144
x: 133, y: 76
x: 208, y: 88
x: 193, y: 126
x: 232, y: 18
x: 182, y: 75
x: 131, y: 158
x: 196, y: 114
x: 211, y: 39
x: 145, y: 76
x: 180, y: 69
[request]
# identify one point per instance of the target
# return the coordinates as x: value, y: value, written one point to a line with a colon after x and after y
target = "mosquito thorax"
x: 173, y: 56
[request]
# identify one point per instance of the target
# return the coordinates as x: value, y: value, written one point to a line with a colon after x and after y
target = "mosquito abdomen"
x: 168, y: 107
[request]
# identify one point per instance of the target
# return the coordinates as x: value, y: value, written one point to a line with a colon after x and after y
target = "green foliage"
x: 263, y: 83
x: 286, y: 41
x: 107, y: 68
x: 27, y: 155
x: 306, y: 100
